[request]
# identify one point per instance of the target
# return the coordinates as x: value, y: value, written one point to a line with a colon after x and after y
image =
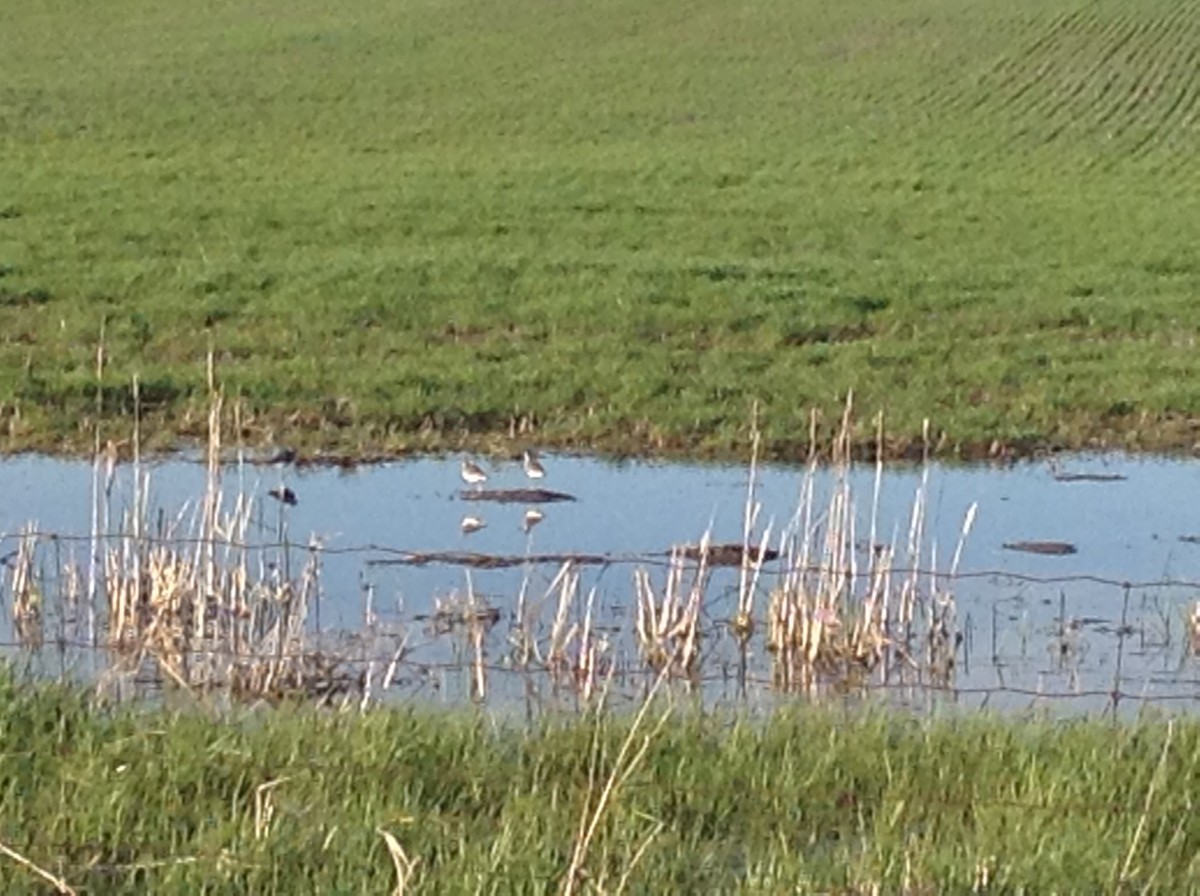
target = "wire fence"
x: 1015, y: 638
x: 374, y: 554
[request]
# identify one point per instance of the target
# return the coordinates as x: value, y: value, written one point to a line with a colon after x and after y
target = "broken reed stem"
x: 97, y: 543
x: 585, y: 667
x: 405, y: 867
x: 479, y: 677
x: 60, y: 885
x: 567, y: 585
x: 1135, y: 842
x: 627, y: 762
x: 212, y: 502
x: 743, y: 621
x: 873, y: 546
x: 27, y: 597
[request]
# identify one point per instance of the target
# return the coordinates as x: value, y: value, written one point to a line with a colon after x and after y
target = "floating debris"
x: 532, y: 517
x: 1050, y: 548
x: 516, y: 495
x: 1190, y: 539
x: 284, y: 494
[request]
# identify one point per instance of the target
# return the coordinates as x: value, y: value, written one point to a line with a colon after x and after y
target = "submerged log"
x: 1090, y: 477
x: 728, y: 554
x: 486, y: 561
x: 1052, y: 548
x: 515, y: 495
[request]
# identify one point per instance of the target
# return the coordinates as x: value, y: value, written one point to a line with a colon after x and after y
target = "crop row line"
x: 1059, y: 103
x: 1125, y: 103
x: 1124, y: 75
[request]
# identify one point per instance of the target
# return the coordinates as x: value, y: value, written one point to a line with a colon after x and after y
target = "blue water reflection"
x: 1124, y: 531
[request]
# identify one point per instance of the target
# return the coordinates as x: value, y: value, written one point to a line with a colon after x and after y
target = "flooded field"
x: 1072, y: 591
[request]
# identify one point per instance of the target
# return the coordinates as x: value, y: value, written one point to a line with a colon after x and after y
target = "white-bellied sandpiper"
x: 472, y: 473
x: 533, y: 466
x: 532, y: 517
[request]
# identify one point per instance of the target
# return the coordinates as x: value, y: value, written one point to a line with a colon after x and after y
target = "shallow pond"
x: 1055, y: 630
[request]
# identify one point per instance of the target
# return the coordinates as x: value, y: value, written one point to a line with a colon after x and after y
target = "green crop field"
x: 417, y: 225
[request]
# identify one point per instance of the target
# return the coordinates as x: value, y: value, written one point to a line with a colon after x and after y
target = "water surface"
x: 1060, y: 631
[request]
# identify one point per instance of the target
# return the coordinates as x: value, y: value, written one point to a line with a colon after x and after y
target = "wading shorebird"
x: 471, y: 524
x: 533, y: 466
x: 472, y: 473
x: 532, y: 517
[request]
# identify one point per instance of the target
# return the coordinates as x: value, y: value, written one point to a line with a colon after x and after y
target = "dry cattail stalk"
x: 668, y: 627
x: 26, y: 595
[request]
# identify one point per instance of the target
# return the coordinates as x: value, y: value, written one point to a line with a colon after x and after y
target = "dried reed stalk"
x: 667, y: 627
x: 566, y: 583
x: 189, y: 600
x: 751, y: 565
x: 599, y: 796
x: 575, y: 653
x: 837, y: 615
x: 26, y: 595
x: 405, y: 867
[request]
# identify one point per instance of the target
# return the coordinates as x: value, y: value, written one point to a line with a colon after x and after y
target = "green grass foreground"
x: 811, y: 800
x: 417, y: 224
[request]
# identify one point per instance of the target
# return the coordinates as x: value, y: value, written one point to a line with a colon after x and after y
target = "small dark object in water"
x: 1059, y: 475
x: 284, y: 494
x: 1190, y: 539
x: 1090, y: 477
x: 515, y: 495
x: 447, y: 618
x: 728, y: 554
x: 1053, y: 548
x: 487, y: 561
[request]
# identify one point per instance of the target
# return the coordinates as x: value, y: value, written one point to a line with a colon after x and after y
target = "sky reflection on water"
x: 1125, y: 531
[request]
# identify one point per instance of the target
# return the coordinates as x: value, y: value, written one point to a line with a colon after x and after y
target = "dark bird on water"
x: 284, y: 494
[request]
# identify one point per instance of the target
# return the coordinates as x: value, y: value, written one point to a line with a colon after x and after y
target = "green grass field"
x: 415, y: 224
x: 811, y: 801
